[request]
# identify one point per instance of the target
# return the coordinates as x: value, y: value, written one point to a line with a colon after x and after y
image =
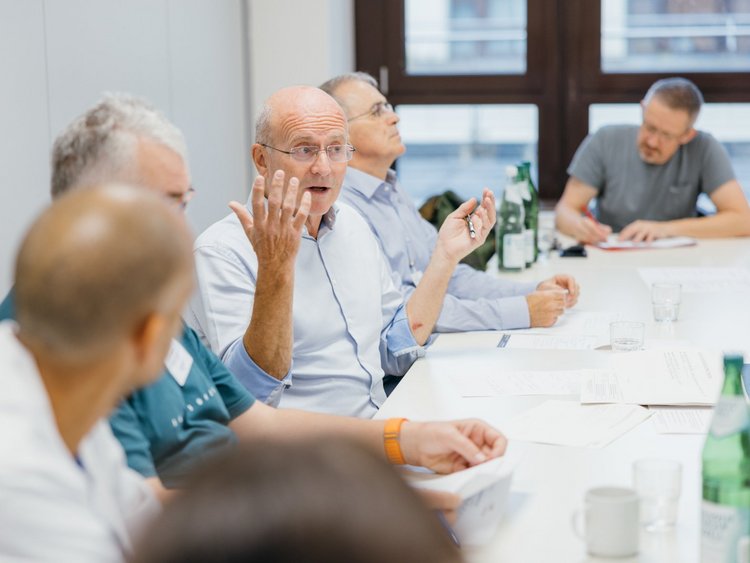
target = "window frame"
x: 563, y: 76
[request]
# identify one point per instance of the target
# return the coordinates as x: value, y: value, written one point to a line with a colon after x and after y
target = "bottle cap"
x: 733, y: 356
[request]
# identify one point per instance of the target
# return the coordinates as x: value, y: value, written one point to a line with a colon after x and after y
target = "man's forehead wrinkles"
x: 301, y: 127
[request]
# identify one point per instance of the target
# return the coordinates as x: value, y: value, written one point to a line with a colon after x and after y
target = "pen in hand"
x: 590, y: 215
x: 603, y: 231
x: 472, y: 232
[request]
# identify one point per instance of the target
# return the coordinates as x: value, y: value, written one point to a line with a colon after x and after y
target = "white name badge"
x: 178, y: 362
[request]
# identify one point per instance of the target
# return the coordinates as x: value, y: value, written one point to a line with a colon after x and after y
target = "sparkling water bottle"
x: 511, y: 250
x: 725, y: 526
x: 531, y: 212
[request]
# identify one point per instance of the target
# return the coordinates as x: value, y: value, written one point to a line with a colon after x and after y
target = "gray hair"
x: 263, y: 126
x: 677, y: 93
x: 332, y: 86
x: 100, y: 145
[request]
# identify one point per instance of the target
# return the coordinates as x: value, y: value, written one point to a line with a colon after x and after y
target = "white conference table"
x: 550, y: 482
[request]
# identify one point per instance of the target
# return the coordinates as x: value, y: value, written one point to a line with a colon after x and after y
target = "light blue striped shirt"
x: 475, y: 300
x: 349, y: 319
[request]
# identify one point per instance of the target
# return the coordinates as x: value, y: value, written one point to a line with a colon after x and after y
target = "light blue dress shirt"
x: 349, y: 319
x: 475, y: 300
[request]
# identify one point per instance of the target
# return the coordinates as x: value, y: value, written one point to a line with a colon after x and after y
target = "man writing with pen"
x: 474, y: 300
x: 647, y: 179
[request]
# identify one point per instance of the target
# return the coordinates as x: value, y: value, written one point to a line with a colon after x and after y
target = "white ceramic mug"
x: 611, y: 522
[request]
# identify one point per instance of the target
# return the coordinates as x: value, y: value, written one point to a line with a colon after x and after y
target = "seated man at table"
x: 408, y: 241
x: 350, y: 321
x: 86, y: 337
x: 646, y: 179
x: 197, y: 408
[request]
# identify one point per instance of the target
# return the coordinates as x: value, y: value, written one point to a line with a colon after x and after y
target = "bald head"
x: 303, y: 116
x: 285, y: 109
x: 95, y: 265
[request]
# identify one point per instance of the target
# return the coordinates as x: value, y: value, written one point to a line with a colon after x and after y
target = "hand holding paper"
x: 484, y: 490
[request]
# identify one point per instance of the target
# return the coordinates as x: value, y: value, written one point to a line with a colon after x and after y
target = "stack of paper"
x: 484, y: 490
x: 566, y: 423
x: 657, y: 377
x: 610, y: 399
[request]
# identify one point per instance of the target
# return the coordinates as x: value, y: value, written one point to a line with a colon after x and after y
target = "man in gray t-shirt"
x: 647, y: 179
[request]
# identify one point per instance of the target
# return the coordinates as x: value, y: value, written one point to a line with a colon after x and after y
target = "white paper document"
x: 656, y: 377
x: 613, y: 243
x: 568, y: 423
x: 529, y: 340
x: 562, y: 382
x: 484, y: 490
x: 582, y: 323
x: 699, y: 280
x: 681, y: 420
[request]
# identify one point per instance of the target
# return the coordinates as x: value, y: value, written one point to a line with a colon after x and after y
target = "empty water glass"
x: 658, y: 483
x: 666, y: 297
x: 626, y: 336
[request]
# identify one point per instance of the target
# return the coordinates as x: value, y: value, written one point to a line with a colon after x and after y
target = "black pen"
x: 472, y: 232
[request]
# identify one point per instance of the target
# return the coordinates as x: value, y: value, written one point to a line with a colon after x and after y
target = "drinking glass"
x: 665, y: 298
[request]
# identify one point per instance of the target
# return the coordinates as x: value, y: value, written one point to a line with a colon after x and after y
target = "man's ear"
x: 689, y: 136
x: 260, y: 159
x: 147, y: 336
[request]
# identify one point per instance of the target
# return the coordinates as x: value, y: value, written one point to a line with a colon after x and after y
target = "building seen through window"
x: 465, y: 36
x: 463, y: 148
x: 479, y: 84
x: 675, y: 35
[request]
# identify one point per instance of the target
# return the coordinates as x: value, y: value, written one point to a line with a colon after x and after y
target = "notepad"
x: 613, y: 243
x: 484, y: 489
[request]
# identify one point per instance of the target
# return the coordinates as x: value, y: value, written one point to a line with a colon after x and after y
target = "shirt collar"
x: 367, y: 184
x: 329, y: 218
x: 327, y: 222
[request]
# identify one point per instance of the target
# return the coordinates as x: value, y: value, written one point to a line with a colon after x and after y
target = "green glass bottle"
x: 725, y: 527
x: 531, y: 212
x: 511, y: 255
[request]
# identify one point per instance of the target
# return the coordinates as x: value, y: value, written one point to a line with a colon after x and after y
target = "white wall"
x: 56, y: 58
x: 298, y: 42
x: 190, y: 58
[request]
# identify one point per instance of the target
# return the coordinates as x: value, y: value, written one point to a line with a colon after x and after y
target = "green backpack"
x: 438, y: 207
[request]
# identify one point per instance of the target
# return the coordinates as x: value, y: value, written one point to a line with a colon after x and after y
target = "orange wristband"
x: 391, y: 437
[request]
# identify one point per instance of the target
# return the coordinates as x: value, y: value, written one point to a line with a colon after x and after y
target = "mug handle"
x: 575, y: 523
